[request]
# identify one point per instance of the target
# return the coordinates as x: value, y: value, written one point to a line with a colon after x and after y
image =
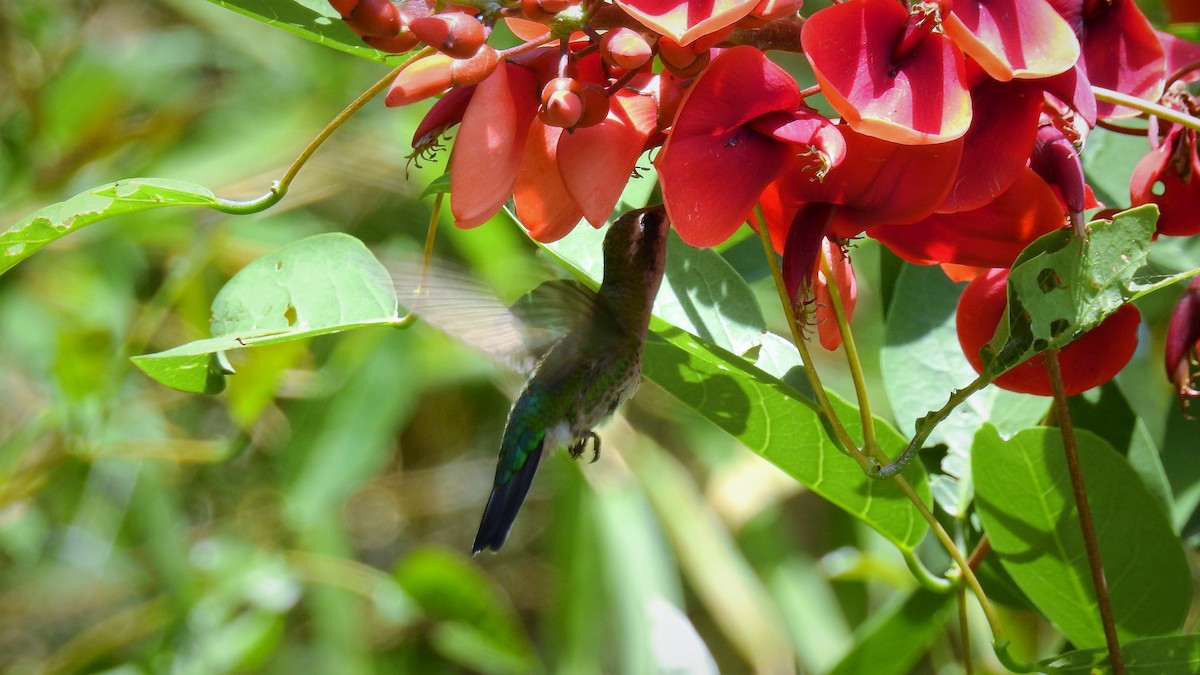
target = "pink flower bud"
x: 625, y: 48
x: 1183, y: 345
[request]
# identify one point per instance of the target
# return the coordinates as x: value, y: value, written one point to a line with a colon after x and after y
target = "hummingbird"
x: 580, y: 369
x: 586, y: 374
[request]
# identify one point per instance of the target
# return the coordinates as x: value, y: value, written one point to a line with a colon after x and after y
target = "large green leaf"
x: 114, y: 199
x: 1024, y: 497
x: 1062, y: 286
x: 316, y: 21
x: 319, y: 285
x: 1151, y: 656
x: 923, y: 363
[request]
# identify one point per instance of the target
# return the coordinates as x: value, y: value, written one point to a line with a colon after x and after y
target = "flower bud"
x: 683, y: 61
x: 438, y: 72
x: 595, y: 106
x: 562, y: 103
x: 453, y: 33
x: 625, y: 48
x: 543, y: 10
x: 373, y: 18
x: 1183, y: 345
x: 394, y: 44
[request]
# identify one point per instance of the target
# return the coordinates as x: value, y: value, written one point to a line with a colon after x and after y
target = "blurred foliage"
x: 316, y: 516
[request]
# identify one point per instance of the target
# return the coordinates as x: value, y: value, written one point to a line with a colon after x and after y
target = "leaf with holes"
x: 1062, y: 286
x: 323, y: 284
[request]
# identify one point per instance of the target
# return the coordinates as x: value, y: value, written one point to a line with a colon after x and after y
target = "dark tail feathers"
x: 503, y: 505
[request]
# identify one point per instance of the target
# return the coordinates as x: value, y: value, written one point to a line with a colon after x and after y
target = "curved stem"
x: 927, y: 425
x: 1159, y: 111
x: 280, y: 187
x: 1088, y: 528
x: 927, y: 580
x: 826, y: 409
x: 870, y: 444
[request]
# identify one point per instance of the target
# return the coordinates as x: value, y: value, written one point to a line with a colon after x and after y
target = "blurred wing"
x: 463, y: 308
x: 459, y: 305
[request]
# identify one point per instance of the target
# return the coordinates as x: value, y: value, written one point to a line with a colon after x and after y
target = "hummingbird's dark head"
x: 635, y: 247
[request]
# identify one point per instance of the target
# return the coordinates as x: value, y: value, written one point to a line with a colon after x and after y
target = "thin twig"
x: 1067, y: 429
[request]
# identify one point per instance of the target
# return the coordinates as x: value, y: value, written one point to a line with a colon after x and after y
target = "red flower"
x: 1024, y: 39
x: 990, y: 236
x: 1169, y: 176
x: 684, y: 21
x: 1091, y: 360
x: 1183, y: 345
x: 739, y: 125
x: 887, y: 73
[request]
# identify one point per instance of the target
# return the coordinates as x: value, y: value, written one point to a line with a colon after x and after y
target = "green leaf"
x: 1062, y: 286
x: 923, y: 363
x: 114, y: 199
x: 322, y: 26
x: 780, y: 424
x: 323, y: 284
x: 1024, y: 497
x: 894, y: 638
x: 1151, y: 656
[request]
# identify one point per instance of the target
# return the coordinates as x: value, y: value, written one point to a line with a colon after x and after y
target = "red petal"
x: 686, y: 20
x: 921, y: 99
x: 491, y: 140
x: 1122, y: 52
x: 998, y: 144
x: 544, y: 205
x: 879, y: 182
x: 1024, y: 39
x: 1157, y: 180
x: 991, y: 236
x: 595, y: 162
x: 713, y: 166
x: 828, y: 331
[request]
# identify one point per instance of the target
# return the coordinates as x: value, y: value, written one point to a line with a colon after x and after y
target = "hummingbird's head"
x: 635, y: 248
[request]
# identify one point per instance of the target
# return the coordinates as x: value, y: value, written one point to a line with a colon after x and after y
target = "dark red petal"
x: 997, y: 146
x: 879, y: 182
x: 1122, y: 52
x: 1183, y: 340
x: 920, y: 98
x: 713, y: 166
x: 991, y: 236
x: 1169, y: 176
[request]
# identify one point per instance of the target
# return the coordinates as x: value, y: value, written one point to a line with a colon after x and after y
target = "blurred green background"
x: 317, y: 516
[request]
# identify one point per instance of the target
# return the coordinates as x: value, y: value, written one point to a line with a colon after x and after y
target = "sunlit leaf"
x: 1024, y: 497
x: 323, y: 284
x: 324, y: 27
x: 114, y: 199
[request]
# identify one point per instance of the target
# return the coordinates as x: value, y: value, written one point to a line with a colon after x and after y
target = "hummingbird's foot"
x: 577, y: 450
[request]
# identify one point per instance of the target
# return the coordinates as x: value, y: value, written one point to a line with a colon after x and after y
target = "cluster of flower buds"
x: 956, y: 138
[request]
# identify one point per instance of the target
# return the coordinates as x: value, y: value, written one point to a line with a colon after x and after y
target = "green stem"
x: 826, y: 409
x: 926, y: 427
x: 1086, y: 525
x: 870, y: 444
x: 928, y: 580
x: 1148, y: 107
x: 280, y: 187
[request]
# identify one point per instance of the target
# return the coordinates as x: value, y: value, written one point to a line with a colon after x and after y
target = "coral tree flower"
x: 741, y: 123
x: 1169, y: 176
x: 1183, y: 345
x: 684, y: 21
x: 886, y: 71
x: 1023, y: 39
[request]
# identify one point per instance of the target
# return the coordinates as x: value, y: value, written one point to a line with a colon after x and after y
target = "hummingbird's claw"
x: 576, y: 450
